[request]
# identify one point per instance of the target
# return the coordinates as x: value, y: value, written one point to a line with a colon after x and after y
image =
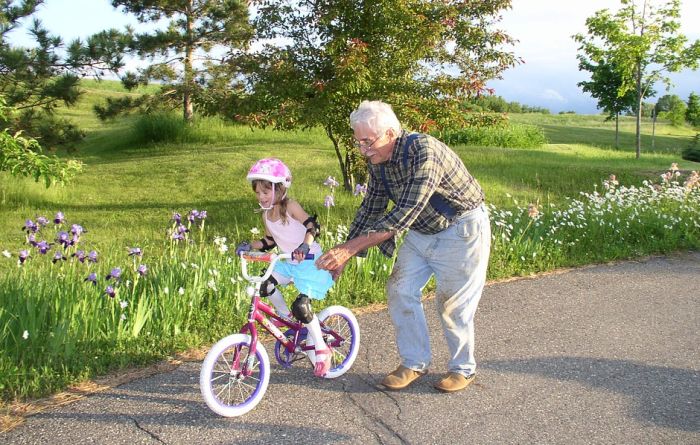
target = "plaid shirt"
x: 432, y: 167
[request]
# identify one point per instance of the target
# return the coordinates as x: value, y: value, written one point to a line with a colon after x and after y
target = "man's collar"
x: 398, y: 143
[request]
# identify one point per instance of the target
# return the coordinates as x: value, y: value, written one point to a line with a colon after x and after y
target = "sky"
x: 543, y: 28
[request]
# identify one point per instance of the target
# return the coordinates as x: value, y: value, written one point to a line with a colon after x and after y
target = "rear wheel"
x: 226, y: 390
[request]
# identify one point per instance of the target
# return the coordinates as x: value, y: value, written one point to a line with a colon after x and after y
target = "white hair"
x: 377, y: 115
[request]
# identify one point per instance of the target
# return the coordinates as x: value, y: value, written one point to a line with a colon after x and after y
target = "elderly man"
x: 449, y: 236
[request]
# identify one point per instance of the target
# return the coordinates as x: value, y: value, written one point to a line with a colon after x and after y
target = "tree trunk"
x: 187, y: 108
x: 617, y: 131
x: 653, y: 126
x: 344, y: 166
x: 639, y: 111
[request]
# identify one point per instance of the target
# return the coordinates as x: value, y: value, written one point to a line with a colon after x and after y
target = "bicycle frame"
x: 261, y: 312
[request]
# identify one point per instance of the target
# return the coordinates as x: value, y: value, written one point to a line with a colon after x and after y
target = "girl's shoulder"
x: 295, y: 210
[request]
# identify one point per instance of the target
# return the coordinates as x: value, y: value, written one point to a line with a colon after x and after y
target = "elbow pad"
x: 268, y: 243
x: 312, y: 226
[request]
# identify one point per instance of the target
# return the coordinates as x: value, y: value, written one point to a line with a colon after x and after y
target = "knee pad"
x: 301, y: 309
x: 267, y: 287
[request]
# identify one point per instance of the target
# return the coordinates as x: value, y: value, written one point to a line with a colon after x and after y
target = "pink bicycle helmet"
x: 271, y: 169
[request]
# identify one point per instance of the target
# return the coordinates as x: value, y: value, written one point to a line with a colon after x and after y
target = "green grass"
x: 594, y: 131
x: 128, y: 192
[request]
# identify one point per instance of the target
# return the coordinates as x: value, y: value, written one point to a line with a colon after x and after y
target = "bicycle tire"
x: 342, y: 321
x: 225, y: 390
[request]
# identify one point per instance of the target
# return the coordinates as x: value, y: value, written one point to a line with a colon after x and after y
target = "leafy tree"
x: 35, y: 81
x: 605, y: 84
x: 643, y: 42
x: 324, y: 57
x: 664, y: 103
x: 676, y: 111
x: 692, y: 113
x: 182, y: 55
x: 22, y: 157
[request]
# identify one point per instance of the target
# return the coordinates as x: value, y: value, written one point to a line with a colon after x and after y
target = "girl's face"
x: 264, y: 195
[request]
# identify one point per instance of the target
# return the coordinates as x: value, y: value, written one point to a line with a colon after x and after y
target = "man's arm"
x: 335, y: 259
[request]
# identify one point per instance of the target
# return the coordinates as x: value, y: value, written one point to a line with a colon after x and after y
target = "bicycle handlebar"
x: 266, y: 257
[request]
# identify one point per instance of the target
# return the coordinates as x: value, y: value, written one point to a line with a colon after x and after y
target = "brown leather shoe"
x: 454, y: 381
x: 401, y: 378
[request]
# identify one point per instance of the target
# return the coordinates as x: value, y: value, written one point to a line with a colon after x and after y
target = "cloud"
x: 552, y: 95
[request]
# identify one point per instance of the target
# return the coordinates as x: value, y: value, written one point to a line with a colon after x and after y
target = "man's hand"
x: 334, y: 260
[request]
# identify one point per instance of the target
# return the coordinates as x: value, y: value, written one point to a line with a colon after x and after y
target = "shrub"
x: 692, y: 152
x: 160, y: 127
x: 507, y: 136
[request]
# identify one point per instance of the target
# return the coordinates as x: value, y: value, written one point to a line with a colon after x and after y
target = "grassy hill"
x: 129, y: 189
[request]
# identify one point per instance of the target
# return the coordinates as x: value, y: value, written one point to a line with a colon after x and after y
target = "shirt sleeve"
x: 372, y: 208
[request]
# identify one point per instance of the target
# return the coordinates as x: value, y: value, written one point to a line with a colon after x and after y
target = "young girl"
x: 290, y: 228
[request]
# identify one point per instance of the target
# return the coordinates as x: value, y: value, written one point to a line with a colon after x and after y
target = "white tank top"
x: 288, y: 236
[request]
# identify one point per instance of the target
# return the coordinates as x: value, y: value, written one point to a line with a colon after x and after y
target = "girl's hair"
x: 280, y: 190
x: 377, y: 115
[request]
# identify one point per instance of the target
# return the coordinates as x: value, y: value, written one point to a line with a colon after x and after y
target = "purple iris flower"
x: 75, y: 240
x: 63, y: 239
x: 109, y: 290
x: 142, y: 270
x: 328, y: 202
x: 43, y: 247
x: 177, y: 218
x: 77, y: 229
x: 182, y: 229
x: 59, y: 218
x: 23, y: 256
x: 58, y: 256
x: 80, y: 255
x: 135, y: 251
x: 193, y: 215
x: 30, y: 226
x: 116, y: 273
x: 42, y: 221
x: 360, y: 189
x: 31, y: 239
x: 203, y: 214
x: 92, y: 256
x: 178, y: 236
x: 92, y: 278
x: 331, y: 182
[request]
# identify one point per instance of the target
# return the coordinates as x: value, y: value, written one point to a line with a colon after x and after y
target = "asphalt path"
x: 602, y: 354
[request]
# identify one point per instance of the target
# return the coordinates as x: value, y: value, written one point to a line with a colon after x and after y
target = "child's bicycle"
x: 236, y: 371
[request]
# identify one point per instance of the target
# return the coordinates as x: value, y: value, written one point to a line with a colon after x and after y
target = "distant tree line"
x: 497, y: 104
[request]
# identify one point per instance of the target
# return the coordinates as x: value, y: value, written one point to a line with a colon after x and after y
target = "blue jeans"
x: 458, y: 257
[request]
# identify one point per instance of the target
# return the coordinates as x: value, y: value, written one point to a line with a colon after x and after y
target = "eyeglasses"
x: 365, y: 144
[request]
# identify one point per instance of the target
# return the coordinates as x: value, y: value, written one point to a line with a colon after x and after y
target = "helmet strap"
x: 284, y: 195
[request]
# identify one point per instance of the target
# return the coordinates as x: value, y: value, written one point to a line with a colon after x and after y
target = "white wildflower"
x: 6, y: 253
x: 123, y: 304
x: 254, y: 231
x: 181, y: 291
x: 25, y: 334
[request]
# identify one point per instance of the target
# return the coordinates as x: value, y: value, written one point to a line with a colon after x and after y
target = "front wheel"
x: 346, y: 345
x: 225, y: 388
